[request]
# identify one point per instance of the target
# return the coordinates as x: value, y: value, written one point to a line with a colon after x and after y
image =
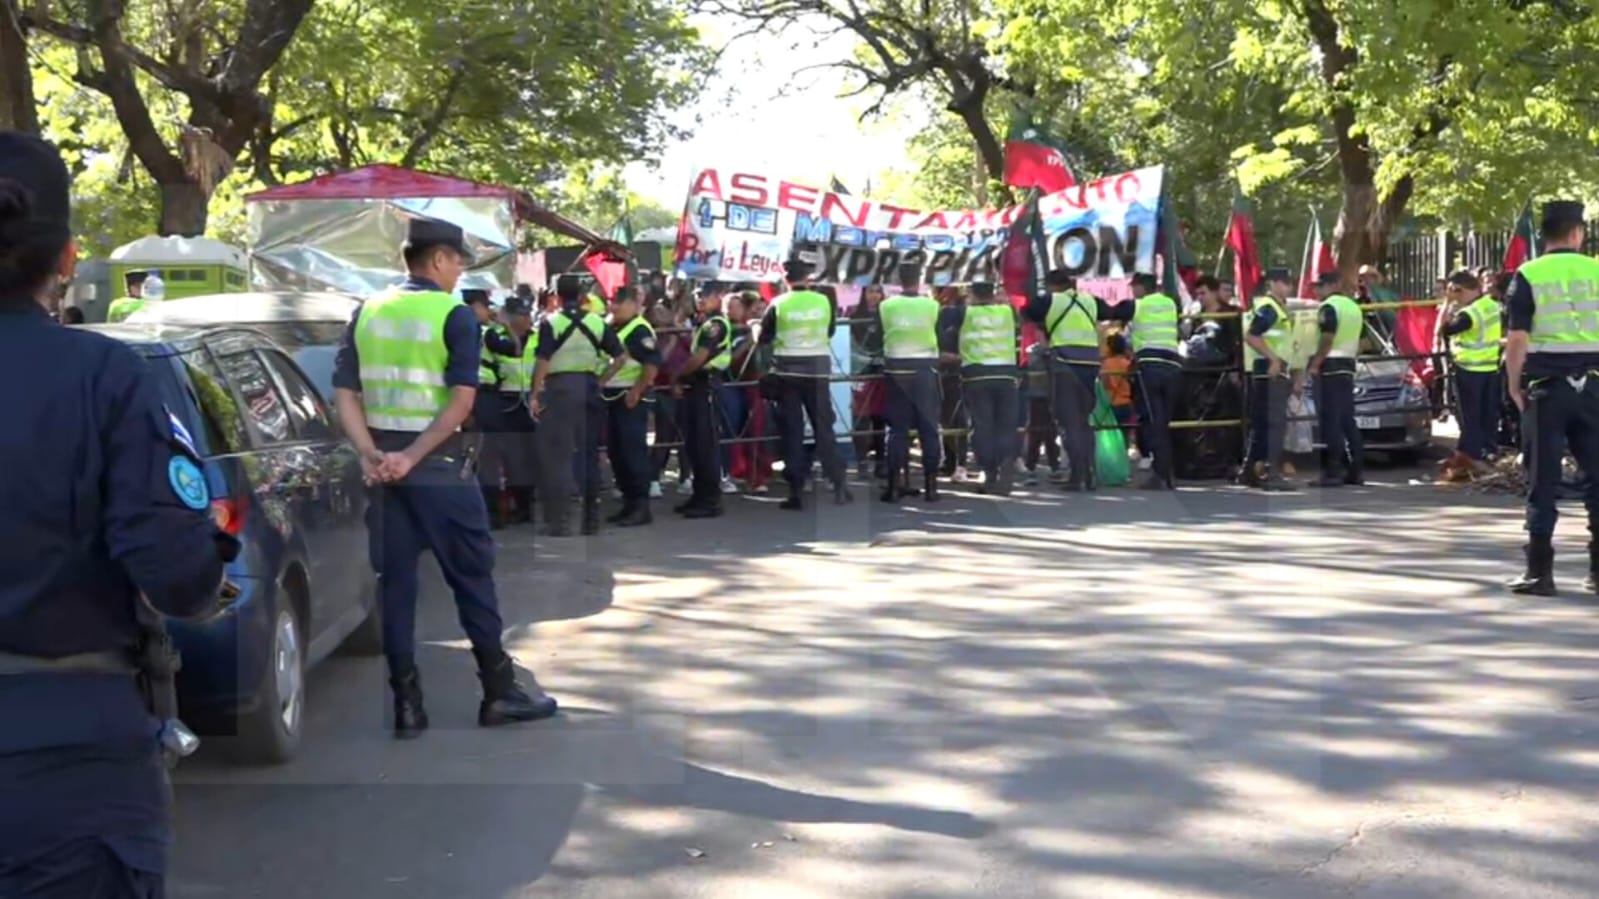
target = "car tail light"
x: 228, y: 514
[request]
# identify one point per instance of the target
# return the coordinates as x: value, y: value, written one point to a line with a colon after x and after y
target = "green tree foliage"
x: 515, y: 93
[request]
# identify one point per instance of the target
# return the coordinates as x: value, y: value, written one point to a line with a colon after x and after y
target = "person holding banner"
x: 799, y: 327
x: 910, y: 362
x: 985, y: 342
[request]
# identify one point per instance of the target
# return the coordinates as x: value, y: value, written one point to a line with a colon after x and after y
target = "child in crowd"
x: 1116, y: 373
x: 1041, y: 430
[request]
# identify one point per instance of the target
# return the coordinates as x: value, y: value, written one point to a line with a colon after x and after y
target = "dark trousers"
x: 1268, y: 420
x: 1157, y: 389
x: 668, y: 429
x: 1072, y: 388
x: 629, y: 445
x: 569, y: 429
x: 1043, y: 435
x: 952, y: 415
x: 700, y: 429
x: 800, y: 399
x: 1558, y: 415
x: 508, y: 446
x: 83, y: 869
x: 437, y: 507
x: 1479, y: 412
x: 1335, y: 414
x: 912, y: 405
x: 994, y: 405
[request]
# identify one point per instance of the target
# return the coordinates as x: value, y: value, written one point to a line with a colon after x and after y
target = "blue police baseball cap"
x: 518, y: 304
x: 36, y: 164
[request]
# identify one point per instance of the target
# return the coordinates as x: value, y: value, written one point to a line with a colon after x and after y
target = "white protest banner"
x: 742, y: 226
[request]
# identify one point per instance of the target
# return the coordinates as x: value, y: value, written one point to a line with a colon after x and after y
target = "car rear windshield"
x: 312, y: 345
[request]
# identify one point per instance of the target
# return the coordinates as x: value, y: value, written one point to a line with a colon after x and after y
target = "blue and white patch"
x: 188, y: 483
x: 180, y: 433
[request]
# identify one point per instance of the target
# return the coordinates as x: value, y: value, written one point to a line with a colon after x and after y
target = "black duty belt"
x: 109, y: 662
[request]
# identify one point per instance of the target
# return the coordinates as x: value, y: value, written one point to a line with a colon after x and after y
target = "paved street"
x: 1205, y: 694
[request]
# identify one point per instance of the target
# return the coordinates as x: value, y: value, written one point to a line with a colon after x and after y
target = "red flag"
x: 1523, y: 242
x: 1247, y: 272
x: 1032, y: 160
x: 609, y: 272
x: 1318, y: 260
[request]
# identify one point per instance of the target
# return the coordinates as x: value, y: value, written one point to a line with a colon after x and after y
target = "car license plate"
x: 1368, y: 423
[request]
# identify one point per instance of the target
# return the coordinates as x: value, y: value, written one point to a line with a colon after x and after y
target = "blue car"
x: 289, y: 487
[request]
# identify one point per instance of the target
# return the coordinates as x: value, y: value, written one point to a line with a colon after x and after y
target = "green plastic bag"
x: 1110, y: 445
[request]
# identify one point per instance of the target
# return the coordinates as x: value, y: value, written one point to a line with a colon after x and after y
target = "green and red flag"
x: 1180, y: 267
x: 1523, y: 242
x: 1317, y: 260
x: 1247, y: 271
x: 1025, y: 264
x: 1033, y: 159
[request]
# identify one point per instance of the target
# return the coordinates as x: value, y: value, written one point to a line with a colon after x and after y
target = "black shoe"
x: 706, y: 511
x: 639, y: 517
x: 1539, y: 578
x: 410, y: 718
x: 1003, y: 480
x: 620, y: 515
x: 930, y: 487
x: 504, y: 702
x: 891, y: 492
x: 841, y: 494
x: 1354, y: 480
x: 1328, y: 481
x: 1154, y: 482
x: 795, y: 501
x: 683, y: 507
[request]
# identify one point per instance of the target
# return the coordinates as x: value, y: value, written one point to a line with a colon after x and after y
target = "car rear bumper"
x: 1392, y: 431
x: 225, y: 658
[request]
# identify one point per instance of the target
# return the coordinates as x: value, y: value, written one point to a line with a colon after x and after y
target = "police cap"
x: 135, y: 279
x: 983, y: 290
x: 712, y: 288
x: 37, y: 166
x: 796, y: 269
x: 1561, y: 214
x: 1146, y: 281
x: 472, y: 296
x: 1328, y: 279
x: 569, y: 288
x: 517, y: 304
x: 1280, y: 274
x: 421, y: 234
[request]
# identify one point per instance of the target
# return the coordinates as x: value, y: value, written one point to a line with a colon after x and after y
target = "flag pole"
x: 1222, y: 250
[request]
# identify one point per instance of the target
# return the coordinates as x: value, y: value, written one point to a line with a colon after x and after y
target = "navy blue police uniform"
x: 628, y: 428
x: 104, y: 500
x: 574, y: 416
x: 438, y: 507
x: 700, y: 416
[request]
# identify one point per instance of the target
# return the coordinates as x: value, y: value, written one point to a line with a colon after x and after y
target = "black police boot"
x: 504, y: 702
x: 620, y: 515
x: 1004, y: 479
x: 522, y: 505
x: 1539, y: 579
x: 410, y: 718
x: 891, y: 490
x: 638, y: 516
x: 930, y: 486
x: 796, y: 499
x: 491, y: 501
x: 591, y: 514
x: 841, y: 494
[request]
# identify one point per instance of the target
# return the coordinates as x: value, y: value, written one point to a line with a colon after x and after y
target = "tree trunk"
x: 18, y: 111
x: 184, y: 209
x: 1365, y: 221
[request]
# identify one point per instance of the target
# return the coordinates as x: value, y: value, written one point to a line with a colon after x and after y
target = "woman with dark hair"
x: 105, y: 501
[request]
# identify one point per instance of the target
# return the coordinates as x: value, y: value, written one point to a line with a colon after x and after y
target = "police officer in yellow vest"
x: 1153, y: 329
x: 511, y: 347
x: 1269, y: 337
x: 984, y: 337
x: 1070, y: 320
x: 405, y: 381
x: 628, y: 400
x: 909, y: 324
x: 1475, y: 333
x: 572, y: 342
x: 1552, y: 366
x: 799, y: 327
x: 120, y: 309
x: 695, y: 387
x: 1341, y: 323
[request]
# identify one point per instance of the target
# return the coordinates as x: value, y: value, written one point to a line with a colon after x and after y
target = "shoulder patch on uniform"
x: 188, y: 483
x: 647, y: 342
x: 180, y: 433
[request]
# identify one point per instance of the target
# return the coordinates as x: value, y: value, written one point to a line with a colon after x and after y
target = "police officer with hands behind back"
x: 1552, y: 363
x: 627, y: 402
x: 910, y: 364
x: 573, y: 344
x: 487, y: 419
x: 510, y: 346
x: 1341, y: 322
x: 105, y: 501
x: 405, y: 380
x: 1269, y: 336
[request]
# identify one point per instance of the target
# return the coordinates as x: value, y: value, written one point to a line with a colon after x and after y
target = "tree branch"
x: 435, y: 121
